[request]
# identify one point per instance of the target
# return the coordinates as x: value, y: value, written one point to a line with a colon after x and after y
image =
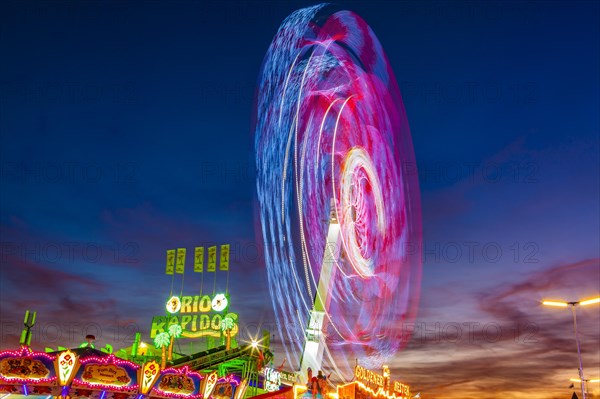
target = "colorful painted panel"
x: 27, y: 367
x: 76, y: 393
x: 177, y: 383
x: 225, y: 387
x: 109, y: 374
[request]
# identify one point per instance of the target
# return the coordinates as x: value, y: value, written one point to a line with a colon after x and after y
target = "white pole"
x: 578, y: 350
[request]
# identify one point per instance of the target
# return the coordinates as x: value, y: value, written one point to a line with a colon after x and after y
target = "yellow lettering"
x: 204, y: 322
x: 173, y: 320
x: 205, y: 304
x: 158, y: 325
x: 195, y: 306
x: 185, y: 320
x: 186, y: 304
x: 216, y: 322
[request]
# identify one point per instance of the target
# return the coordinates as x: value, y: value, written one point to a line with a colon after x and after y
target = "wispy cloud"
x: 507, y: 344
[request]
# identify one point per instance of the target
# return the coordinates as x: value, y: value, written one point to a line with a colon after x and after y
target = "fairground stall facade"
x: 90, y: 373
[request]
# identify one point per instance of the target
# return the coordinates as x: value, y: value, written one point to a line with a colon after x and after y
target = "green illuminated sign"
x: 198, y: 316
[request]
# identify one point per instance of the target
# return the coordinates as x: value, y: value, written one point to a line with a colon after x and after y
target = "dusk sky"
x: 126, y: 129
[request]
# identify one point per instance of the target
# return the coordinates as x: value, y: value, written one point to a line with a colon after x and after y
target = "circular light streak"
x: 359, y: 182
x: 332, y: 138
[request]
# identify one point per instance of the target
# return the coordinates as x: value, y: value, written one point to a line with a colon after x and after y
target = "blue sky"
x: 126, y: 130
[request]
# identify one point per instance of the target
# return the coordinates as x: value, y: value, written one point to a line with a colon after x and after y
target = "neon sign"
x: 368, y: 377
x: 272, y: 379
x: 198, y: 316
x: 380, y: 385
x: 197, y: 304
x: 219, y: 303
x: 173, y: 304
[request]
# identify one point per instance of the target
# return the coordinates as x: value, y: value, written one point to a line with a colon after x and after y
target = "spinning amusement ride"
x: 340, y: 218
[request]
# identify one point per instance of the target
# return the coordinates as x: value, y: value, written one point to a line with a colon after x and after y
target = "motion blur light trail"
x: 332, y: 131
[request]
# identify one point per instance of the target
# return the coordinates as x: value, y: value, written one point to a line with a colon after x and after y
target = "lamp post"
x: 573, y: 305
x: 585, y: 381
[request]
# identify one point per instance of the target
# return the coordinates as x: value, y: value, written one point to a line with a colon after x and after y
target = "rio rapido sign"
x: 198, y: 315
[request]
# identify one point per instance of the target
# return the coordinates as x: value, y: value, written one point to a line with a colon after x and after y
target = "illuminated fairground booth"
x: 217, y: 368
x: 366, y: 384
x: 90, y: 373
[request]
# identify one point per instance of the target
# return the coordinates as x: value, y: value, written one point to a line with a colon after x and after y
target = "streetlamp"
x: 573, y: 304
x: 585, y: 381
x: 578, y: 380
